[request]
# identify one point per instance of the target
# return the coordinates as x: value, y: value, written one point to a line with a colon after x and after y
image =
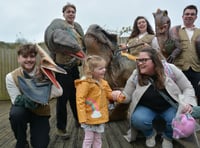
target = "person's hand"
x: 115, y: 94
x: 121, y: 98
x: 82, y: 124
x: 175, y: 53
x: 146, y: 45
x: 171, y: 59
x: 187, y: 108
x: 118, y: 96
x: 124, y: 47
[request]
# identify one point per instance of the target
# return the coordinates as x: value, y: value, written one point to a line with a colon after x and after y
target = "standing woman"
x: 142, y: 33
x: 142, y: 90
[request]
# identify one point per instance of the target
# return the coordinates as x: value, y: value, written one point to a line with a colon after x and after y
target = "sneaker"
x: 167, y: 143
x: 63, y: 133
x: 151, y: 142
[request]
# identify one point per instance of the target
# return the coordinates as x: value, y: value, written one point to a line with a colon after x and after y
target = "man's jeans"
x: 39, y: 127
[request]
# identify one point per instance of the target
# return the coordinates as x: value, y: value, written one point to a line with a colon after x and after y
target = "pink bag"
x: 183, y: 126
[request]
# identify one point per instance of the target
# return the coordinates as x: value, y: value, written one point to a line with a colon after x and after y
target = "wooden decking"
x: 112, y: 138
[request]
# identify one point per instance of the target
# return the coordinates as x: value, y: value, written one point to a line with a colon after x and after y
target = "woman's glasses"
x: 142, y: 60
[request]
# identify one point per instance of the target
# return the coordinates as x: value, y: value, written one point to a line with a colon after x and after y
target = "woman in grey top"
x: 153, y: 74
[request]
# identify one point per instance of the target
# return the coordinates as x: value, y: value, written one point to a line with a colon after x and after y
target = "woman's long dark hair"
x: 136, y: 31
x: 156, y: 58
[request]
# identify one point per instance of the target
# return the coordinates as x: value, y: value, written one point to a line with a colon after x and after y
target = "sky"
x: 28, y: 19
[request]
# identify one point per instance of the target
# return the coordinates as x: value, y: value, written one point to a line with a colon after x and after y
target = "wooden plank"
x: 111, y: 138
x: 118, y: 136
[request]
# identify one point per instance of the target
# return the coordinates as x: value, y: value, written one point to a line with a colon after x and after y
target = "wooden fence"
x: 8, y: 62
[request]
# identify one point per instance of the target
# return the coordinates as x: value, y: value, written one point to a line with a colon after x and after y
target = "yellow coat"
x: 92, y: 100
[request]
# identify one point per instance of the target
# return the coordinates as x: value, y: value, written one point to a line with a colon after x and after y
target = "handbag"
x: 183, y: 126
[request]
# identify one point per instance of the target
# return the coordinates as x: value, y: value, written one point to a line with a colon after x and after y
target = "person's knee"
x: 140, y: 123
x: 135, y: 120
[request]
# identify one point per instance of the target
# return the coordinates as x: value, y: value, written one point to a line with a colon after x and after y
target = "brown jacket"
x: 134, y: 41
x: 188, y: 57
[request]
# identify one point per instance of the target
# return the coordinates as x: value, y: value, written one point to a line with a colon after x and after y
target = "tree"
x: 20, y: 39
x: 126, y: 30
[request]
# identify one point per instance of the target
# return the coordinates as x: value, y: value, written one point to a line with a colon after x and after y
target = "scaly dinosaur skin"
x: 119, y: 67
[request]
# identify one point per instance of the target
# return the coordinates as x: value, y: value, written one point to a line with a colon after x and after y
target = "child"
x: 92, y: 92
